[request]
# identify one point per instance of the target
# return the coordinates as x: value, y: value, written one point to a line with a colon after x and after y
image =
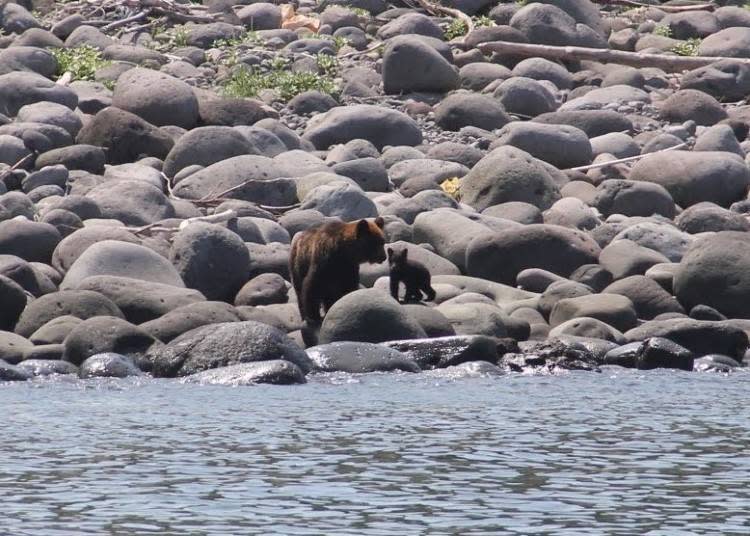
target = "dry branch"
x: 661, y: 7
x: 624, y: 160
x: 605, y: 55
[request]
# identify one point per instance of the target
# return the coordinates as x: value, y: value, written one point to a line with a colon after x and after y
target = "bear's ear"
x: 362, y: 227
x: 380, y: 222
x: 404, y: 254
x: 390, y: 252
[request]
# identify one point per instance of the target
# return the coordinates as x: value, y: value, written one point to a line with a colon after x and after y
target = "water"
x: 618, y: 453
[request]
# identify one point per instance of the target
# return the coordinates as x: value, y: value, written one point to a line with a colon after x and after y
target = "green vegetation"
x: 689, y: 47
x: 663, y: 30
x: 361, y: 12
x: 249, y: 82
x: 81, y: 62
x: 456, y: 28
x: 340, y: 42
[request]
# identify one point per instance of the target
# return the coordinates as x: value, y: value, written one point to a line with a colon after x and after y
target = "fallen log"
x: 605, y: 55
x: 661, y: 7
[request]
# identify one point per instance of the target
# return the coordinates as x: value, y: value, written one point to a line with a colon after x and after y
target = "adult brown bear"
x: 324, y: 263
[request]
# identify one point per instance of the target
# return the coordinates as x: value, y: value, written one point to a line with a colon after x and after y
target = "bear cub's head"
x: 397, y: 259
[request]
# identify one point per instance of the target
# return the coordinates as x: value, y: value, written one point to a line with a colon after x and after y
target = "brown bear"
x: 324, y: 263
x: 413, y: 274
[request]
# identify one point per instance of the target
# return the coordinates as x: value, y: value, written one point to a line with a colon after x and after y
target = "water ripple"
x: 623, y: 452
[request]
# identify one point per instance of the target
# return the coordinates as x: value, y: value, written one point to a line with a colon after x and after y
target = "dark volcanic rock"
x: 274, y: 371
x: 125, y: 136
x: 701, y: 337
x: 359, y: 357
x: 104, y: 334
x: 220, y: 345
x: 108, y: 365
x: 449, y: 351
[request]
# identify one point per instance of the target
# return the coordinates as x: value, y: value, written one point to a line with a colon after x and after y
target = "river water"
x: 617, y: 453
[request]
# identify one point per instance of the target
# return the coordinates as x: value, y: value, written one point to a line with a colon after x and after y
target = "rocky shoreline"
x: 158, y: 156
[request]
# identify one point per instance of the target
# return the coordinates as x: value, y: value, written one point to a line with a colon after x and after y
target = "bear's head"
x: 371, y: 240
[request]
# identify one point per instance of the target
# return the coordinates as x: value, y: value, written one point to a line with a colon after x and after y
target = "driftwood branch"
x: 122, y: 22
x: 661, y: 7
x: 6, y: 173
x: 605, y: 55
x: 159, y: 228
x: 624, y: 160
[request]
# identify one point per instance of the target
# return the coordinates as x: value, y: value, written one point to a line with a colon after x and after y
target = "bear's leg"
x: 310, y: 300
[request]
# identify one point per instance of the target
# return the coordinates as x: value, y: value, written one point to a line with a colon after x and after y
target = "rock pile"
x: 157, y: 160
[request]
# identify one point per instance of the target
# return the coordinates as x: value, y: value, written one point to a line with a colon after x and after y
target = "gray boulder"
x: 132, y: 202
x: 81, y: 304
x: 469, y: 109
x: 449, y: 232
x: 410, y: 23
x: 260, y: 176
x: 72, y: 246
x: 83, y: 157
x: 692, y: 177
x: 359, y: 357
x: 713, y: 272
x: 13, y: 298
x: 30, y: 240
x: 562, y: 146
x: 379, y: 125
x: 501, y: 256
x: 592, y: 122
x: 121, y: 259
x: 141, y: 301
x: 211, y: 259
x: 410, y: 64
x: 13, y: 347
x: 630, y: 198
x: 623, y: 258
x: 51, y: 113
x: 729, y: 42
x: 525, y: 96
x: 204, y: 146
x: 156, y: 97
x: 20, y: 88
x: 614, y: 310
x: 368, y: 316
x: 661, y: 237
x: 509, y: 174
x: 477, y: 76
x: 448, y: 351
x: 692, y: 105
x: 727, y: 79
x: 707, y: 217
x: 221, y: 345
x: 647, y: 296
x: 719, y: 138
x: 188, y: 317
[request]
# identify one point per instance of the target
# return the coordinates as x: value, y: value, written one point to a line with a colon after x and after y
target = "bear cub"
x: 414, y: 275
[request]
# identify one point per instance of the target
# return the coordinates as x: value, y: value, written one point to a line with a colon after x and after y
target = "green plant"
x: 340, y: 42
x: 248, y: 38
x: 179, y: 37
x: 81, y: 62
x: 663, y: 30
x: 327, y: 64
x: 361, y: 12
x: 689, y: 47
x: 484, y: 20
x: 456, y: 28
x: 248, y: 82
